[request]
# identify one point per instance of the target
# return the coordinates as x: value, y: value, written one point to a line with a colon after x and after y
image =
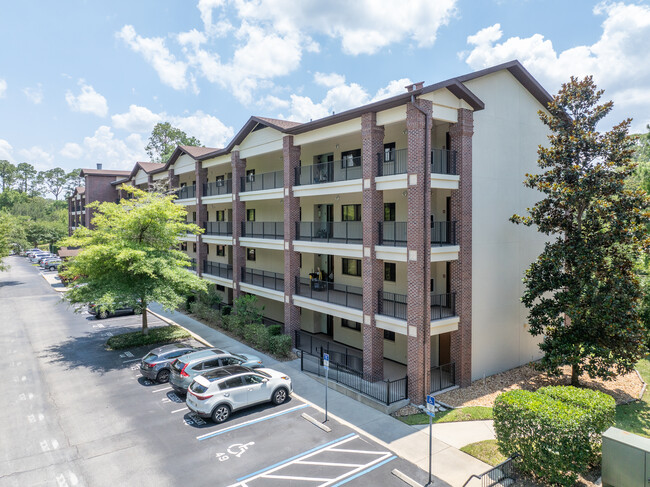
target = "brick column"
x: 150, y: 182
x: 372, y: 140
x: 201, y: 176
x: 291, y: 156
x: 461, y: 270
x: 418, y: 250
x: 173, y: 180
x: 70, y: 216
x: 238, y: 216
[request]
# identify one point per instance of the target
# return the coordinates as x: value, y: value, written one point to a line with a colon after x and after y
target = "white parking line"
x: 160, y: 390
x: 179, y: 410
x: 132, y: 360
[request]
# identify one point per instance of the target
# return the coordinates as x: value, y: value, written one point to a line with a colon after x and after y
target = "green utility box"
x: 626, y: 459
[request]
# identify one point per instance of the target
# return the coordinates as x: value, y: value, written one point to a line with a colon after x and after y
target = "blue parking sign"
x: 431, y: 405
x: 326, y: 360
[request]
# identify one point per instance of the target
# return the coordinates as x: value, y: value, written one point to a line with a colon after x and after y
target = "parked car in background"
x: 52, y: 265
x: 185, y: 368
x: 46, y: 260
x: 119, y: 310
x: 29, y: 251
x: 156, y: 365
x: 218, y: 393
x: 37, y: 256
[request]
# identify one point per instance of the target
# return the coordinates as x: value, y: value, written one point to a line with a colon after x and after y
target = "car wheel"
x: 221, y: 413
x: 163, y: 376
x: 280, y: 396
x: 102, y: 315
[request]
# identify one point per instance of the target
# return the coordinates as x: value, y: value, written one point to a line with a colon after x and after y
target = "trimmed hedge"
x: 556, y: 430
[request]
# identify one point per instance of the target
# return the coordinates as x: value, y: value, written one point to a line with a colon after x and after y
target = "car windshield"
x: 245, y: 359
x: 198, y: 388
x: 261, y: 372
x: 150, y: 357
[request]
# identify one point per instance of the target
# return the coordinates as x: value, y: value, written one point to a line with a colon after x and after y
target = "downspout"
x: 425, y: 285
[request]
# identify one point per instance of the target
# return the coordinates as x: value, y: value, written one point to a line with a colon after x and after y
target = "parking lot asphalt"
x: 77, y: 414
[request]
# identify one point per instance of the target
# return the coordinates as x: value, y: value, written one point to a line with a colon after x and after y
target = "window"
x: 220, y: 215
x: 219, y: 287
x: 221, y: 251
x: 250, y: 175
x: 352, y: 325
x: 351, y: 158
x: 251, y: 380
x: 184, y: 246
x: 250, y: 215
x: 389, y: 335
x: 250, y: 254
x: 351, y: 267
x: 231, y: 383
x: 351, y: 213
x: 389, y: 212
x: 389, y: 152
x: 389, y: 271
x: 194, y: 216
x: 230, y: 361
x: 194, y: 247
x: 183, y: 185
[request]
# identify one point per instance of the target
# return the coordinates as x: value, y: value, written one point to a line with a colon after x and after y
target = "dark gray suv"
x: 156, y: 365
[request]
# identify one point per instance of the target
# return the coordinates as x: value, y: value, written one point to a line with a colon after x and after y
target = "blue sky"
x: 83, y: 82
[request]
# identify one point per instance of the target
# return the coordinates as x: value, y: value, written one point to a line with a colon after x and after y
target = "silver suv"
x: 218, y: 393
x: 185, y: 368
x: 156, y: 365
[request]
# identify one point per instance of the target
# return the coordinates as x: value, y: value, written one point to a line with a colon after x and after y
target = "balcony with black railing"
x: 266, y: 279
x: 193, y: 265
x: 260, y: 182
x: 392, y: 162
x: 186, y: 192
x: 393, y: 234
x: 216, y: 188
x: 391, y: 304
x: 217, y: 269
x: 443, y: 306
x: 329, y: 172
x: 443, y: 161
x: 269, y: 230
x: 218, y: 228
x: 443, y: 233
x: 335, y: 232
x: 330, y: 292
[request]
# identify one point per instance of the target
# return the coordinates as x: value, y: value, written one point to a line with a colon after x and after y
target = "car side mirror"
x: 264, y: 381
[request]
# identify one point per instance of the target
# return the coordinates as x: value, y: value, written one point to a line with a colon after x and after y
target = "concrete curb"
x: 57, y: 289
x: 644, y: 385
x: 172, y: 322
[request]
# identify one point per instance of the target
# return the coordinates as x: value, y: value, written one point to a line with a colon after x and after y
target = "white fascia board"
x: 337, y: 187
x: 187, y: 238
x: 446, y: 253
x: 391, y: 254
x: 262, y: 243
x: 186, y: 201
x: 217, y: 239
x: 262, y: 291
x: 217, y: 199
x: 216, y: 161
x: 391, y: 324
x: 396, y: 181
x: 266, y: 194
x: 342, y: 250
x: 443, y: 326
x: 217, y: 280
x: 329, y: 308
x: 444, y: 181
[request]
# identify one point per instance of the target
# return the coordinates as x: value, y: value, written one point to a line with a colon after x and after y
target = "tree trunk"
x: 575, y: 375
x: 145, y: 325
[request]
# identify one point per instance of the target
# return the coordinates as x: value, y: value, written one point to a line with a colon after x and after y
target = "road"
x: 76, y: 414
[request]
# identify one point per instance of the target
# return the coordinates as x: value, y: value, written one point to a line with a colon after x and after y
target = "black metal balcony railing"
x: 271, y: 230
x: 193, y: 264
x: 217, y: 269
x: 186, y: 192
x: 442, y: 377
x: 350, y: 296
x: 216, y: 188
x: 391, y: 304
x: 218, y: 228
x: 259, y: 182
x: 392, y: 234
x: 443, y: 233
x: 392, y: 162
x: 340, y: 232
x: 443, y: 161
x: 328, y: 172
x: 443, y: 306
x: 269, y: 280
x: 352, y: 358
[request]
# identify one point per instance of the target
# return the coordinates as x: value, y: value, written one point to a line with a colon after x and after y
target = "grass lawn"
x: 487, y: 451
x: 635, y: 417
x: 472, y: 413
x: 159, y: 335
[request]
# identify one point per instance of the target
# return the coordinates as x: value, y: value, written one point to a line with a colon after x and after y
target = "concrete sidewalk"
x: 450, y: 465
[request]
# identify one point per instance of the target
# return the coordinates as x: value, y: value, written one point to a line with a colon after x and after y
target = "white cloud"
x: 6, y: 150
x: 36, y: 156
x: 88, y: 101
x: 617, y: 60
x: 208, y: 129
x: 3, y: 88
x: 35, y: 95
x: 329, y: 80
x: 154, y: 51
x: 137, y: 119
x: 395, y: 87
x: 71, y: 151
x: 112, y: 152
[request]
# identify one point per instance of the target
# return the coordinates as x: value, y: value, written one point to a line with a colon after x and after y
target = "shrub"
x: 274, y: 330
x: 556, y: 430
x: 256, y: 335
x: 280, y: 345
x: 245, y: 307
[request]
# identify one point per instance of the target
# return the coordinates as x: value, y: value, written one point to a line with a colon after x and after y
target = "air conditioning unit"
x: 626, y: 459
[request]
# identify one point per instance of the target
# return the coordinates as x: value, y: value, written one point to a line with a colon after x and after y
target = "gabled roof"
x: 80, y: 190
x: 196, y: 153
x: 149, y: 166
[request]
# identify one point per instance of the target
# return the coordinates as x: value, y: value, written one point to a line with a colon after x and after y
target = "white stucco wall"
x: 506, y: 136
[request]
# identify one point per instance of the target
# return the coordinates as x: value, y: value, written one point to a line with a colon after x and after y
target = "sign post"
x: 431, y: 411
x: 326, y: 364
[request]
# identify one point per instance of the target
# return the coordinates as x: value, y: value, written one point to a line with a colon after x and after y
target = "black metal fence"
x: 217, y: 269
x: 443, y: 233
x: 269, y: 280
x: 392, y: 234
x: 349, y: 357
x: 328, y: 172
x: 503, y: 474
x: 391, y: 304
x: 259, y: 182
x: 443, y: 306
x: 272, y: 230
x: 186, y: 192
x: 350, y: 296
x: 216, y: 188
x: 384, y: 391
x: 218, y: 228
x: 392, y: 162
x: 443, y: 161
x: 442, y: 377
x: 340, y: 232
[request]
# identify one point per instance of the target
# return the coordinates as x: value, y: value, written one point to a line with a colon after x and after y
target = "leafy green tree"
x: 53, y: 180
x: 7, y: 174
x: 74, y: 180
x: 25, y: 177
x: 130, y: 256
x: 582, y: 292
x: 5, y: 243
x: 164, y: 139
